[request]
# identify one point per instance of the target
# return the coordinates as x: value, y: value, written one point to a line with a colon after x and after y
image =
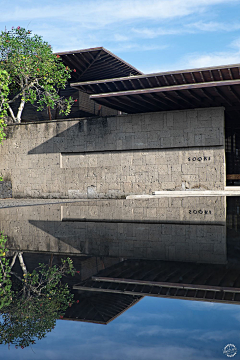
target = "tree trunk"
x: 20, y: 110
x: 23, y: 266
x: 12, y: 113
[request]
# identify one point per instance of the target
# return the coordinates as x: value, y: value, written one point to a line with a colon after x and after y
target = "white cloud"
x: 151, y: 33
x: 217, y: 336
x: 236, y: 316
x: 208, y: 305
x: 158, y: 330
x: 191, y: 28
x: 212, y: 26
x: 203, y: 59
x: 137, y: 47
x: 102, y: 12
x: 214, y: 59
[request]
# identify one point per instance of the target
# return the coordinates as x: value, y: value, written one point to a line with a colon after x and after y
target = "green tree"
x: 35, y: 73
x: 31, y: 304
x: 4, y: 93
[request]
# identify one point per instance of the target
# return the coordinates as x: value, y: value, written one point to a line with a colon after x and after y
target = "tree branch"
x: 23, y: 266
x: 15, y: 274
x: 27, y: 87
x: 14, y: 259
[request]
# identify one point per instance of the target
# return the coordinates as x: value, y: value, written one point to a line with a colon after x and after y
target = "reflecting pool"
x: 148, y: 279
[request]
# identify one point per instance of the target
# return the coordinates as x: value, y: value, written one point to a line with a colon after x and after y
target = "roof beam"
x: 211, y: 75
x: 184, y: 98
x: 155, y: 103
x: 183, y: 78
x: 158, y: 82
x: 101, y: 86
x: 167, y: 284
x: 236, y: 96
x: 202, y: 77
x: 168, y: 98
x: 138, y: 103
x: 141, y: 84
x: 220, y: 74
x: 132, y: 84
x: 193, y: 77
x: 193, y: 96
x: 207, y: 95
x: 235, y: 93
x: 75, y: 60
x: 212, y: 84
x: 149, y: 82
x: 230, y: 73
x: 91, y: 63
x: 173, y: 78
x: 222, y: 96
x: 165, y: 79
x: 125, y: 104
x: 117, y: 105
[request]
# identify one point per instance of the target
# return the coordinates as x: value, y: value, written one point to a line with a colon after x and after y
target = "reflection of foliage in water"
x: 5, y: 277
x: 32, y: 303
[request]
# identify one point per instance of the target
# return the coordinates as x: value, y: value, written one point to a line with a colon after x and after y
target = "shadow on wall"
x: 78, y: 137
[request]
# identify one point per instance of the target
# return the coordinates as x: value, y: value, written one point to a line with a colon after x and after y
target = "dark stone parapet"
x: 5, y: 189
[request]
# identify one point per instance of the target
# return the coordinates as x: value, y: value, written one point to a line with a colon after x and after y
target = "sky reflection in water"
x: 152, y: 329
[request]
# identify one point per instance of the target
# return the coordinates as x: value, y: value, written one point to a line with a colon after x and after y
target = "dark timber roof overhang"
x: 177, y: 90
x: 95, y: 64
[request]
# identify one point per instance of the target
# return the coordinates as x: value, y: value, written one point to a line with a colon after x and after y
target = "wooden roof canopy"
x: 95, y: 64
x: 176, y: 90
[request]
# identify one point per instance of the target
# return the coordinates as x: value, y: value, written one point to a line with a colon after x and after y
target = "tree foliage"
x: 35, y: 73
x: 31, y: 304
x: 4, y: 93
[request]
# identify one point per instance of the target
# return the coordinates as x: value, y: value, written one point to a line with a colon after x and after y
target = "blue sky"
x: 154, y: 328
x: 152, y: 35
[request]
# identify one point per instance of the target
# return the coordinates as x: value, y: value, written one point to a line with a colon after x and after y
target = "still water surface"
x: 135, y: 268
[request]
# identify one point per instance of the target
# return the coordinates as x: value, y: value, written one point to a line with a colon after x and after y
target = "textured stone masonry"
x: 114, y: 157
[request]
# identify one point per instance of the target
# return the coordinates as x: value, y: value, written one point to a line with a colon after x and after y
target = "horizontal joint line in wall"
x: 140, y: 150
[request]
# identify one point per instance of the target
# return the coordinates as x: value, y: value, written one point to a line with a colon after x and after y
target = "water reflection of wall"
x: 182, y: 229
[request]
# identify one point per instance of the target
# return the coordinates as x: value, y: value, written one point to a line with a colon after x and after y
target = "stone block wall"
x: 114, y: 157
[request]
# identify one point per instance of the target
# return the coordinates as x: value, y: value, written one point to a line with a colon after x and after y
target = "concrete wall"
x: 116, y: 156
x: 174, y: 229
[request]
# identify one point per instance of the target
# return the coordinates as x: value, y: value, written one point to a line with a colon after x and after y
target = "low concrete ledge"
x: 188, y: 193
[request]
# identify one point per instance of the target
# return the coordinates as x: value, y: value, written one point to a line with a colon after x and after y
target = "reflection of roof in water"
x: 218, y: 283
x: 100, y: 307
